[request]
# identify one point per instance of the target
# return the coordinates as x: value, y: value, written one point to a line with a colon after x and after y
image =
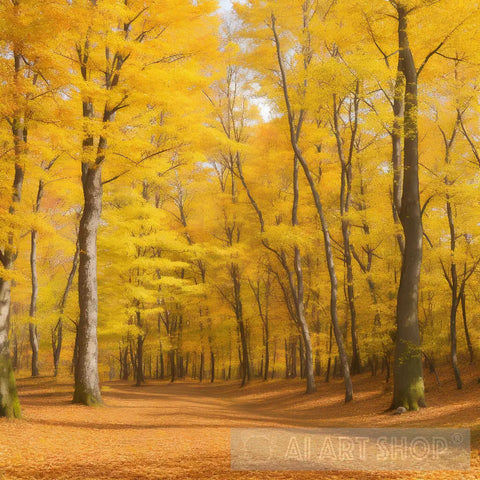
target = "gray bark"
x: 32, y: 327
x: 345, y: 203
x: 9, y: 403
x: 323, y: 221
x: 408, y: 390
x: 87, y: 390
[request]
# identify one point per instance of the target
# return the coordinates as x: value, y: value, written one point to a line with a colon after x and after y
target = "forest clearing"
x: 182, y: 431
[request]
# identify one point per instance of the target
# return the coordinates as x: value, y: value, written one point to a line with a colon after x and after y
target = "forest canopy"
x: 289, y: 188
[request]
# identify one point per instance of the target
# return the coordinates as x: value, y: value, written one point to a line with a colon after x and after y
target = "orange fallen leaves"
x: 182, y: 431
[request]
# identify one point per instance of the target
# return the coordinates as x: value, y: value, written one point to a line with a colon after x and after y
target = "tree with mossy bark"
x: 408, y: 389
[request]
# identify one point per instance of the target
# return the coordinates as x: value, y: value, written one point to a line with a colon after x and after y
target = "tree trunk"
x: 34, y: 296
x: 33, y: 334
x: 32, y: 328
x: 356, y: 364
x: 140, y: 378
x: 125, y: 365
x: 267, y: 353
x: 287, y: 373
x: 245, y: 361
x: 465, y: 326
x: 454, y: 298
x: 202, y: 366
x: 345, y: 203
x: 9, y: 403
x: 453, y: 338
x: 162, y: 363
x: 87, y: 389
x: 396, y: 134
x: 296, y: 285
x: 57, y: 333
x: 294, y: 133
x: 212, y: 366
x: 172, y: 366
x: 408, y: 388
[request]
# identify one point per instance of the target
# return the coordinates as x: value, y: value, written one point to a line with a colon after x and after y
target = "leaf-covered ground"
x: 182, y: 431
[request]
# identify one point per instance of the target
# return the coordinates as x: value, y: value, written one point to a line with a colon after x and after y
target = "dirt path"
x: 182, y: 431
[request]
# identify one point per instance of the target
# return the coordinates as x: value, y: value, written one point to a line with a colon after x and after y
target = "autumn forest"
x: 272, y: 191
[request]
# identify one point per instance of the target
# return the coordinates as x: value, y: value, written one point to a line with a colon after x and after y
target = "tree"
x: 112, y: 64
x: 26, y: 64
x: 408, y: 371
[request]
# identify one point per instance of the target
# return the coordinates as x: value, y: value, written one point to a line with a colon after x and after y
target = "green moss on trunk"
x: 9, y: 402
x: 83, y: 397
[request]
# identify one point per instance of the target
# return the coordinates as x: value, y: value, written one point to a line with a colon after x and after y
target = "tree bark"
x: 294, y: 133
x: 465, y: 326
x: 396, y: 134
x: 408, y: 390
x: 32, y: 328
x: 238, y: 308
x: 33, y: 334
x: 202, y: 366
x: 34, y: 296
x: 454, y: 298
x: 212, y: 366
x: 140, y: 378
x: 9, y: 403
x: 87, y: 389
x: 139, y: 374
x: 345, y: 203
x: 57, y: 333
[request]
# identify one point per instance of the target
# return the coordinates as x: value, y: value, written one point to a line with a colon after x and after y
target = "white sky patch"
x: 225, y: 5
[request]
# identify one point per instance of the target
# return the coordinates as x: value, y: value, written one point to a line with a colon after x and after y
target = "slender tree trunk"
x: 202, y: 366
x: 172, y: 366
x: 34, y: 278
x: 453, y: 339
x: 454, y: 299
x: 294, y: 133
x: 345, y: 203
x: 293, y: 356
x: 125, y: 369
x: 140, y: 378
x: 32, y: 328
x: 465, y: 326
x: 245, y: 361
x: 274, y: 359
x: 431, y: 367
x: 267, y: 353
x: 162, y: 364
x: 356, y: 364
x: 87, y: 389
x: 329, y: 363
x: 297, y: 288
x: 408, y: 390
x: 212, y: 366
x: 396, y: 134
x: 287, y: 371
x: 33, y: 334
x: 57, y: 333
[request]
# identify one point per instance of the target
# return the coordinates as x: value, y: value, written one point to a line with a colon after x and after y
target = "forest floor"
x: 182, y: 430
